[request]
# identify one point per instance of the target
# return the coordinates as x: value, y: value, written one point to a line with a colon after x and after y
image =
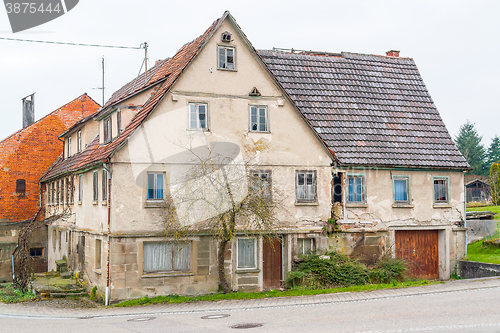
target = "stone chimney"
x: 392, y: 53
x: 28, y: 110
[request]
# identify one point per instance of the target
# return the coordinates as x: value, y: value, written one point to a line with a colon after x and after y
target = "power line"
x: 74, y: 44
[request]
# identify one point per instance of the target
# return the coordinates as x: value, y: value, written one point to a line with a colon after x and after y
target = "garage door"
x: 420, y: 249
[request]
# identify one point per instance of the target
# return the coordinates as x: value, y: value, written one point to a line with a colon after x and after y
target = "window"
x: 305, y: 245
x: 247, y: 253
x: 306, y: 186
x: 104, y: 185
x: 107, y: 130
x: 71, y: 189
x: 401, y: 190
x: 440, y: 190
x: 119, y: 122
x: 58, y: 191
x: 69, y: 146
x: 98, y: 245
x: 36, y: 252
x: 356, y: 189
x: 156, y: 186
x: 226, y: 57
x: 79, y: 141
x: 20, y: 186
x: 80, y: 188
x: 198, y: 116
x: 260, y: 182
x: 52, y: 191
x: 165, y: 257
x: 96, y: 185
x: 63, y: 191
x: 258, y: 119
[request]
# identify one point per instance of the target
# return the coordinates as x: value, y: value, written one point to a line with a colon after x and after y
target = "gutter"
x: 108, y: 277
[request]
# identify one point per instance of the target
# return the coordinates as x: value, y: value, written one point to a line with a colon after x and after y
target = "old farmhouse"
x: 347, y: 139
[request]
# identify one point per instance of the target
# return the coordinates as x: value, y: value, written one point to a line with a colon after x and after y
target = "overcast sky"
x: 455, y: 45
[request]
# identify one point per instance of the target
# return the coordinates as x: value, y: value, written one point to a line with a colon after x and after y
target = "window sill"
x: 79, y: 202
x: 357, y: 205
x: 155, y: 204
x: 97, y: 271
x: 156, y: 275
x: 441, y: 205
x: 306, y: 204
x: 199, y: 129
x: 402, y: 205
x: 260, y: 132
x: 95, y: 202
x: 247, y: 270
x: 104, y: 203
x: 227, y: 69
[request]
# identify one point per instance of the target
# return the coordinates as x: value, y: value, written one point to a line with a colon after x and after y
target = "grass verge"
x: 476, y: 252
x: 9, y: 294
x: 494, y: 209
x: 269, y: 294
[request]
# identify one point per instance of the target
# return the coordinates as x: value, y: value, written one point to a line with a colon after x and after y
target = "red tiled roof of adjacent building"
x: 28, y: 153
x: 369, y: 110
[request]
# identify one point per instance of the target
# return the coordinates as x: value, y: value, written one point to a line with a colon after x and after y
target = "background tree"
x: 469, y: 144
x: 212, y: 191
x: 493, y: 154
x: 495, y: 183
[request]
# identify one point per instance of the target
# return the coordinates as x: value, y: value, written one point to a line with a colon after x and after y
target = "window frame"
x: 225, y: 48
x: 266, y: 120
x: 408, y: 189
x: 315, y: 186
x: 79, y: 141
x: 252, y: 181
x: 155, y: 189
x: 118, y: 121
x: 207, y: 117
x: 69, y: 146
x: 447, y: 191
x: 107, y: 129
x: 255, y: 258
x: 104, y: 185
x: 313, y: 246
x: 95, y: 185
x: 173, y: 249
x: 36, y: 249
x: 363, y: 189
x: 21, y: 186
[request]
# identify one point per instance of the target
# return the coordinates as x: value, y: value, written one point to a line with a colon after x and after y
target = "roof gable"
x: 368, y: 110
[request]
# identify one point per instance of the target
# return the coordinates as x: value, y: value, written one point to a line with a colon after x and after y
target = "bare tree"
x: 213, y: 191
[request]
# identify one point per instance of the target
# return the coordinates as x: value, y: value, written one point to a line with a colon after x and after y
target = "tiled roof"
x: 170, y: 69
x: 28, y: 153
x: 367, y: 109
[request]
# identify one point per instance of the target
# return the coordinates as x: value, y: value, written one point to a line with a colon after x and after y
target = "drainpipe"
x: 465, y: 215
x: 109, y: 231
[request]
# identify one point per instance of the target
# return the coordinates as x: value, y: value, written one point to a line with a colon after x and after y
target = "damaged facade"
x: 304, y: 124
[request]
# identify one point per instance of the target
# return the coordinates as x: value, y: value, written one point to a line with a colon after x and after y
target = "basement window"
x: 21, y: 186
x: 305, y: 246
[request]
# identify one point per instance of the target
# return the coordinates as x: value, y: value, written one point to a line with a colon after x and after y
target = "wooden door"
x: 272, y: 264
x: 419, y: 248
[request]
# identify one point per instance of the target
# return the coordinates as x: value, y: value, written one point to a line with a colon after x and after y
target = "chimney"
x: 392, y: 53
x: 28, y: 110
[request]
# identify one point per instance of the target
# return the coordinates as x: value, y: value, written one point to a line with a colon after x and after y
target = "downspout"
x: 465, y: 216
x: 109, y: 231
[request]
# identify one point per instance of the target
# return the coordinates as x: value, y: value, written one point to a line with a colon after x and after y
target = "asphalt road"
x: 475, y: 310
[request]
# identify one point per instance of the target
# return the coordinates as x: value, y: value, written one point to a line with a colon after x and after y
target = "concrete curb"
x: 33, y: 312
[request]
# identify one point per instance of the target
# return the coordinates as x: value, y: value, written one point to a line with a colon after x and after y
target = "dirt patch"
x: 64, y: 303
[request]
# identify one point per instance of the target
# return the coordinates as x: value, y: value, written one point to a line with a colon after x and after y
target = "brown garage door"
x: 271, y: 256
x: 420, y: 249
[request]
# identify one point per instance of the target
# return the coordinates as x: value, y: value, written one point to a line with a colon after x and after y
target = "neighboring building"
x: 24, y: 157
x: 478, y: 188
x: 356, y: 137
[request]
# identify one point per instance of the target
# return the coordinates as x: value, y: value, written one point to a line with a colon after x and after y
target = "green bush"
x: 9, y: 294
x: 340, y: 271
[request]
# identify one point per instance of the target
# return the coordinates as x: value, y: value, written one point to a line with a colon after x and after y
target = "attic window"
x: 254, y: 92
x: 20, y: 186
x: 226, y: 37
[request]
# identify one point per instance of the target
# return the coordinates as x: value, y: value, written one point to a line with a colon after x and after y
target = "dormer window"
x: 226, y: 37
x: 107, y: 129
x: 226, y: 57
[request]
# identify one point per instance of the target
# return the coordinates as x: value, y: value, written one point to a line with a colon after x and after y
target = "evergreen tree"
x: 469, y: 144
x: 493, y: 154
